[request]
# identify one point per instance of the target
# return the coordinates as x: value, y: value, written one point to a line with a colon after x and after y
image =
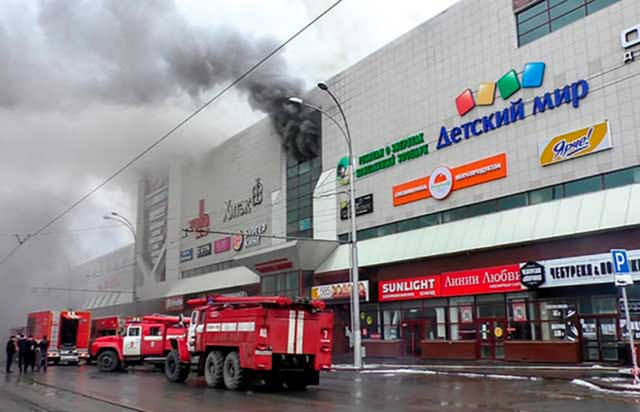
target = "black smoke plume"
x: 142, y: 52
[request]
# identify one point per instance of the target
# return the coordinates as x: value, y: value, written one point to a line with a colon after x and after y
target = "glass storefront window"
x: 590, y: 184
x: 558, y: 320
x: 391, y: 324
x: 461, y: 326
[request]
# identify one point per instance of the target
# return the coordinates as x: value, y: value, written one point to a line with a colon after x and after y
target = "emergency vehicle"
x: 106, y: 326
x: 144, y: 341
x: 236, y: 341
x: 67, y: 332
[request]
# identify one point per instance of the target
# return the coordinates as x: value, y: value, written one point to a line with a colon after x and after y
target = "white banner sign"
x: 339, y: 291
x: 586, y: 270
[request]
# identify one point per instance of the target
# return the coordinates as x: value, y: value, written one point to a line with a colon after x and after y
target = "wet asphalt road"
x: 87, y: 389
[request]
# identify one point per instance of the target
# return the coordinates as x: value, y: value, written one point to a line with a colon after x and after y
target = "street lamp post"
x: 127, y: 223
x: 355, y: 290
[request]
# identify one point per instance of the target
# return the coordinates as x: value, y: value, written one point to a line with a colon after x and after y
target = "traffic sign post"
x: 623, y: 279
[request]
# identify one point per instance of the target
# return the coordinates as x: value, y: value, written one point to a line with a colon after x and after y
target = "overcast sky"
x: 88, y: 84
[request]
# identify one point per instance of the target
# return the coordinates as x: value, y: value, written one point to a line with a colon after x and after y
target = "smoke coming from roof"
x: 142, y: 52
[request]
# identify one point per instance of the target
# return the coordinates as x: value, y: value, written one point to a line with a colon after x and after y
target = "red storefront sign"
x: 498, y: 279
x: 409, y: 289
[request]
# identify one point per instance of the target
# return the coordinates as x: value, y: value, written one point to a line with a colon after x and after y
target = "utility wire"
x: 174, y: 129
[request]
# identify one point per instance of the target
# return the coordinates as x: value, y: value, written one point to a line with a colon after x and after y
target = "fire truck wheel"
x: 175, y: 370
x: 213, y: 369
x: 234, y: 375
x: 108, y: 361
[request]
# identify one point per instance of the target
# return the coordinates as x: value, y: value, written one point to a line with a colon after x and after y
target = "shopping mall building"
x: 497, y: 164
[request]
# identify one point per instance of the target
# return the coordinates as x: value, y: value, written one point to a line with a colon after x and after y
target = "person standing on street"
x: 36, y: 354
x: 23, y: 346
x: 11, y: 351
x: 44, y: 350
x: 31, y: 353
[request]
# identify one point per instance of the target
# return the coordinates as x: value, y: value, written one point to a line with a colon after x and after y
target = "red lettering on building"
x: 200, y: 224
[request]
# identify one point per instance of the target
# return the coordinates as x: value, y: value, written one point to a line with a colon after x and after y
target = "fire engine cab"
x: 145, y: 340
x: 236, y: 341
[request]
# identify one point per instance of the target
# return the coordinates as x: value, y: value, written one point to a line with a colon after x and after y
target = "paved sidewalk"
x: 596, y: 376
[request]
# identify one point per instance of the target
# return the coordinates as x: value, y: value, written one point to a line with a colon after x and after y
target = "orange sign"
x: 471, y: 174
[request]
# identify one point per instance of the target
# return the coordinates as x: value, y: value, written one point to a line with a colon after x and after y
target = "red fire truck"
x: 235, y: 341
x: 145, y: 341
x: 67, y: 332
x: 106, y: 326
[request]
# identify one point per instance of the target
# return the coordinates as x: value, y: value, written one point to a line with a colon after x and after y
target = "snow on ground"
x: 589, y: 385
x: 404, y: 371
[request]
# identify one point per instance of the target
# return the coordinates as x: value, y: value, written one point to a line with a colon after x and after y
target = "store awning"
x: 294, y: 255
x: 592, y: 212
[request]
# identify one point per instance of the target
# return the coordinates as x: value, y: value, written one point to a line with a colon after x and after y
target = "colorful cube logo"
x: 465, y: 102
x: 486, y: 94
x: 507, y: 85
x: 533, y: 74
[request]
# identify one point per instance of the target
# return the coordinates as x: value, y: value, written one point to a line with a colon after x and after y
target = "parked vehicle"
x: 67, y: 332
x: 144, y: 341
x: 235, y: 341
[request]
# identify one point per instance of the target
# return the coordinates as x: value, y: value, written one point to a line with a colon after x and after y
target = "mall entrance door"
x: 599, y: 338
x: 490, y: 337
x: 413, y: 331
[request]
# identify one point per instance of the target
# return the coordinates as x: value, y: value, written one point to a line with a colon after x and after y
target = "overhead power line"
x: 174, y: 129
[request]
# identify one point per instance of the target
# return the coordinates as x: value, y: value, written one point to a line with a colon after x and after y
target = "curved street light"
x: 355, y: 290
x: 127, y: 223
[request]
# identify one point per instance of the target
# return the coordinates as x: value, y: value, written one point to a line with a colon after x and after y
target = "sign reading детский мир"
x: 401, y: 151
x: 575, y: 144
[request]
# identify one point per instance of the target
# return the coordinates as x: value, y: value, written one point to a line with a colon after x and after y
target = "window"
x: 552, y: 15
x: 578, y: 187
x: 407, y: 225
x: 512, y: 202
x: 154, y: 331
x: 533, y: 197
x: 622, y: 178
x: 540, y: 195
x: 302, y: 177
x: 367, y: 234
x: 386, y: 230
x: 429, y: 220
x: 454, y: 214
x: 284, y: 284
x: 482, y: 208
x: 134, y: 331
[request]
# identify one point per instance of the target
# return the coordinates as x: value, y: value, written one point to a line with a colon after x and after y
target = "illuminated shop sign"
x: 252, y: 235
x: 498, y: 279
x: 186, y: 255
x: 443, y: 180
x: 532, y: 275
x: 586, y: 270
x: 222, y: 245
x: 575, y: 144
x: 629, y: 38
x: 507, y: 85
x: 204, y: 250
x: 401, y: 151
x: 409, y: 289
x: 234, y: 210
x: 340, y: 291
x: 364, y: 205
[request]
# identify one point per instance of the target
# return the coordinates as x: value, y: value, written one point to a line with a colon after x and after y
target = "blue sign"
x: 621, y: 267
x: 186, y: 255
x: 620, y: 261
